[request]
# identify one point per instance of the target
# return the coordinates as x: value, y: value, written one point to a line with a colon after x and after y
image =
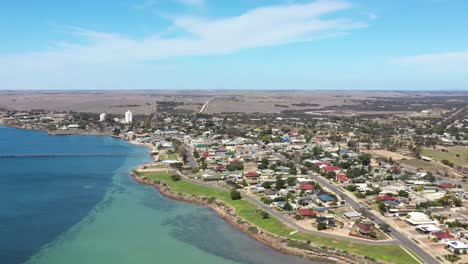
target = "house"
x: 329, y: 221
x: 331, y: 168
x: 426, y: 229
x: 352, y: 215
x: 364, y: 229
x: 386, y: 198
x: 252, y: 175
x: 417, y: 218
x: 442, y: 235
x: 343, y: 179
x: 457, y: 247
x: 326, y: 198
x: 307, y: 213
x: 306, y: 187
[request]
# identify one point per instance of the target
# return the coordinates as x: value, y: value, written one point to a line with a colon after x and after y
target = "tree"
x: 196, y: 154
x: 321, y: 226
x: 235, y: 194
x: 266, y: 185
x: 403, y: 193
x: 264, y: 215
x: 382, y: 207
x: 280, y: 183
x: 291, y: 181
x: 175, y: 177
x: 365, y: 159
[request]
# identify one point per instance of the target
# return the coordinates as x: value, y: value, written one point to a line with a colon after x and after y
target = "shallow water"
x: 89, y: 210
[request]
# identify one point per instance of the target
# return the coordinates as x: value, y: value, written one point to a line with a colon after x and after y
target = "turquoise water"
x: 83, y: 210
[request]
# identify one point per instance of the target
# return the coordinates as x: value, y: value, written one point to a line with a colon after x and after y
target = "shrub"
x: 175, y: 177
x: 235, y: 194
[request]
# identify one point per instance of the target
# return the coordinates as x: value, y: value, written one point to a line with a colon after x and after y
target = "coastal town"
x: 389, y: 181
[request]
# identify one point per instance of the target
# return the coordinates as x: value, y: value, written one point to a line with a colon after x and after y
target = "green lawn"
x: 420, y: 164
x: 450, y: 155
x: 172, y: 156
x: 248, y: 211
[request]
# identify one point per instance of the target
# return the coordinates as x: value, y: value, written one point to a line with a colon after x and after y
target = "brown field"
x: 143, y: 102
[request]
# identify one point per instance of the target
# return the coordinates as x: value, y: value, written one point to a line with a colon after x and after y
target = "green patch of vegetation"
x: 249, y: 212
x: 172, y: 156
x: 457, y: 156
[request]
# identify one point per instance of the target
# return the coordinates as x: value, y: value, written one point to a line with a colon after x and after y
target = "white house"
x: 457, y: 247
x: 417, y: 218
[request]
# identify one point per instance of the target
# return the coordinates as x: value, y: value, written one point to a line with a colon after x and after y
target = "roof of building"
x: 251, y: 174
x: 307, y: 212
x: 326, y: 198
x: 306, y: 186
x: 365, y: 228
x: 457, y: 245
x: 331, y: 168
x: 442, y: 235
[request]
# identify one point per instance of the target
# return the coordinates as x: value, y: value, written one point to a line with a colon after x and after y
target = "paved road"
x: 283, y: 218
x: 190, y: 158
x: 395, y: 234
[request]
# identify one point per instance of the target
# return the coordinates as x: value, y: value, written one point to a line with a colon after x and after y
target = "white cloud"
x: 446, y: 61
x: 261, y: 27
x: 192, y: 2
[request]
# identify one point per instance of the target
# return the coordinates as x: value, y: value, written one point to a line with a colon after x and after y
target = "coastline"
x: 278, y: 243
x: 227, y: 213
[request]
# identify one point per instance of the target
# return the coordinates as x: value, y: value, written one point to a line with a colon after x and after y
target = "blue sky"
x: 242, y: 44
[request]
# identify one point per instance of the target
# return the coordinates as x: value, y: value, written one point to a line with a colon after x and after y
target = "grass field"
x: 172, y: 156
x: 450, y: 155
x: 420, y: 164
x: 248, y: 211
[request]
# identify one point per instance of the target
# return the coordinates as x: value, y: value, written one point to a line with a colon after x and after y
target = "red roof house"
x: 307, y: 213
x: 306, y: 187
x: 342, y: 178
x: 251, y: 175
x: 364, y: 229
x: 442, y: 235
x: 446, y: 185
x: 386, y: 198
x: 331, y: 168
x: 220, y: 168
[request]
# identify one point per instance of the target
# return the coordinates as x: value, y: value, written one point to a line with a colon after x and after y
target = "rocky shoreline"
x: 281, y: 244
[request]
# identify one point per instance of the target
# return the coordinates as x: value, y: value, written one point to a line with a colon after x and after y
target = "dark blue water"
x: 41, y: 198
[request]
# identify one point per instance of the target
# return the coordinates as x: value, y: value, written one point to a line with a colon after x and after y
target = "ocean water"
x: 89, y: 210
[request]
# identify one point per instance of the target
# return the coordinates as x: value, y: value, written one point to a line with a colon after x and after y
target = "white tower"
x: 102, y: 117
x: 128, y: 117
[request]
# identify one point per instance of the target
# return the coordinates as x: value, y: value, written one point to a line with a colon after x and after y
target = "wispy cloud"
x: 445, y: 61
x: 260, y: 27
x: 192, y: 2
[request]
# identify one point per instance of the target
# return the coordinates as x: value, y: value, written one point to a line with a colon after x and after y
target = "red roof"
x: 342, y: 178
x: 442, y: 235
x: 365, y: 228
x: 307, y: 212
x: 220, y: 167
x: 207, y: 155
x: 306, y: 186
x: 331, y: 168
x: 386, y: 198
x: 446, y: 185
x: 318, y: 163
x: 251, y: 174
